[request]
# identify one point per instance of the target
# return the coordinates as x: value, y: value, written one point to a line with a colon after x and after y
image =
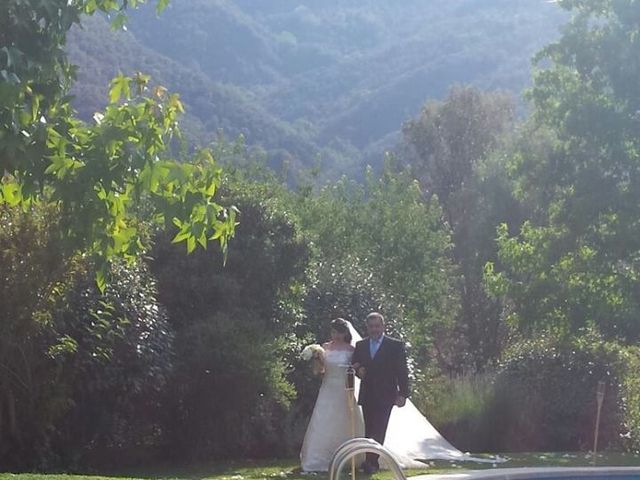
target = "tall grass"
x: 459, y: 408
x: 465, y: 397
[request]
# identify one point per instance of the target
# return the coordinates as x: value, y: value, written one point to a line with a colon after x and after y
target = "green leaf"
x: 161, y: 5
x: 101, y: 277
x: 180, y: 237
x: 119, y: 22
x: 11, y: 194
x: 191, y: 244
x: 120, y: 87
x: 35, y: 107
x: 90, y: 7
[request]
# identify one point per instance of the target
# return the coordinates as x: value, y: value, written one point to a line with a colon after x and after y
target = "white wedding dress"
x: 410, y: 437
x: 330, y: 424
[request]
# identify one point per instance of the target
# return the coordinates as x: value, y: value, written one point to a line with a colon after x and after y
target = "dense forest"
x: 324, y: 84
x: 160, y: 278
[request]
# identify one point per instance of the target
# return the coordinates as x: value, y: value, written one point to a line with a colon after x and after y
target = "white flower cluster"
x: 311, y: 351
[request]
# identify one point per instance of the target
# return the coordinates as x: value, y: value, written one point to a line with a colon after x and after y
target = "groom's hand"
x: 400, y: 401
x: 360, y: 370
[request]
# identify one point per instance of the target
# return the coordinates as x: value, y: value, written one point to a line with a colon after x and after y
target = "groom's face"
x: 375, y: 327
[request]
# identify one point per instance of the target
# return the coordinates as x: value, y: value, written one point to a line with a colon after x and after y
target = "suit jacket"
x: 386, y: 373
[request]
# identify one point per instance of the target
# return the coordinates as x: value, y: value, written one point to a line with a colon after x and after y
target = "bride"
x: 410, y: 437
x: 330, y: 423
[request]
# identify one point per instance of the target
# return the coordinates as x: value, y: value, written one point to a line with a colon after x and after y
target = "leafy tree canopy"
x: 576, y: 263
x: 103, y: 174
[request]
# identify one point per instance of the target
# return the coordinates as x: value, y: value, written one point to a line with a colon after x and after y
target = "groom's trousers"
x: 376, y: 420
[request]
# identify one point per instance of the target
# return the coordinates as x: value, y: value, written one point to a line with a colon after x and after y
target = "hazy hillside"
x: 211, y: 106
x: 316, y: 79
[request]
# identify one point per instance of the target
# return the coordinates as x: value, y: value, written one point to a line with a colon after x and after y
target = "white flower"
x: 311, y: 351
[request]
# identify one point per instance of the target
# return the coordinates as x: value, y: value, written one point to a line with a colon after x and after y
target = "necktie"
x: 375, y: 344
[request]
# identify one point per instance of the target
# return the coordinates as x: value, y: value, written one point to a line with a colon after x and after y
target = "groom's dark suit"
x: 386, y: 377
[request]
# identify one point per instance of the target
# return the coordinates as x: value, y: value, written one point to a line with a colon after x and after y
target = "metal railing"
x: 357, y: 446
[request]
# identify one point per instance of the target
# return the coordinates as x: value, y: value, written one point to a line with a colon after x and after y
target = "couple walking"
x: 380, y: 363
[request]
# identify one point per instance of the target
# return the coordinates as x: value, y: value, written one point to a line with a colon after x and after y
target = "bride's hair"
x: 340, y: 325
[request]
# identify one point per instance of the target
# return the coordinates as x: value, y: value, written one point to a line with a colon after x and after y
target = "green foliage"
x: 123, y: 359
x: 451, y: 148
x: 630, y: 393
x: 81, y: 372
x: 100, y: 173
x: 32, y: 398
x: 452, y: 137
x: 575, y: 263
x: 382, y: 247
x: 542, y: 397
x: 545, y: 394
x: 234, y: 326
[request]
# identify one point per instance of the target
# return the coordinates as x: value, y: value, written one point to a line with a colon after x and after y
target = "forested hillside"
x: 311, y: 81
x: 211, y: 106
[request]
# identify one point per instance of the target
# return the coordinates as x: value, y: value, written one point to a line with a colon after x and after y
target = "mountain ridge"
x: 309, y: 80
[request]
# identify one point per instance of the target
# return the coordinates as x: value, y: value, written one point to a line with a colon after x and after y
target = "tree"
x: 380, y: 245
x: 449, y: 148
x: 235, y: 330
x: 99, y: 174
x: 81, y: 372
x: 575, y: 264
x: 29, y: 264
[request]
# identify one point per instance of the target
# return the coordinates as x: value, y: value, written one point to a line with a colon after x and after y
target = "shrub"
x: 545, y: 395
x: 542, y: 397
x: 82, y: 372
x: 630, y: 397
x: 32, y: 398
x: 117, y: 371
x: 230, y: 391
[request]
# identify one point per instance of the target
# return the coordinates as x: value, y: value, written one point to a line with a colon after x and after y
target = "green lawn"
x: 289, y: 470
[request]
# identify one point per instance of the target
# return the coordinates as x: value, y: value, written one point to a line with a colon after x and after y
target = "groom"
x: 381, y: 364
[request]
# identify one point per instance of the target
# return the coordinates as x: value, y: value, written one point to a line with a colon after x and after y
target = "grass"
x: 289, y: 470
x: 465, y: 397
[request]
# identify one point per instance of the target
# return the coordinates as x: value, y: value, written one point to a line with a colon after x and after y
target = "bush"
x: 117, y: 372
x: 630, y: 391
x: 542, y: 397
x: 233, y: 322
x: 82, y: 373
x: 545, y: 395
x: 32, y: 396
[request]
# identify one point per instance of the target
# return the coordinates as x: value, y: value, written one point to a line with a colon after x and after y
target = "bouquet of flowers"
x: 315, y: 353
x: 312, y: 351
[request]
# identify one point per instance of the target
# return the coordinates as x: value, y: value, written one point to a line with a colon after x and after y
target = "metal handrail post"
x: 357, y: 446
